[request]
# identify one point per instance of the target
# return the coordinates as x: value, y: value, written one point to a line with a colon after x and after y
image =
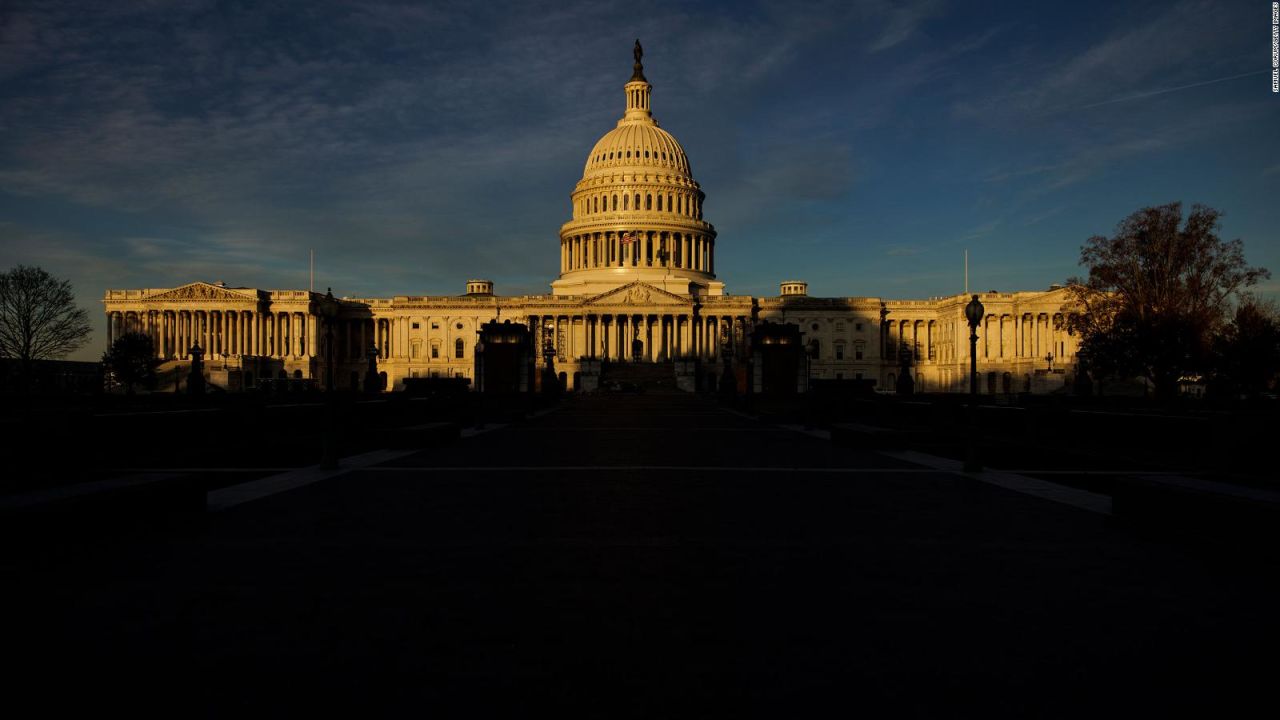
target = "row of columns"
x: 1026, y: 336
x: 219, y: 332
x: 663, y: 336
x: 1000, y: 337
x: 896, y: 334
x: 688, y: 251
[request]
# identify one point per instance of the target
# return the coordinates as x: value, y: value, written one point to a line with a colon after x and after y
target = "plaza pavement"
x: 643, y: 556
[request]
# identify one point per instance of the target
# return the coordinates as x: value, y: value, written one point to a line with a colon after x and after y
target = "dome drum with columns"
x: 637, y: 282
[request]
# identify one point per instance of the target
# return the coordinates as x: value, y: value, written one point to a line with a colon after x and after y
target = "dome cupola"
x: 637, y: 211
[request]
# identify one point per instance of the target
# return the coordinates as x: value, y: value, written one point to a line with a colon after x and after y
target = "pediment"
x: 638, y: 293
x: 205, y: 292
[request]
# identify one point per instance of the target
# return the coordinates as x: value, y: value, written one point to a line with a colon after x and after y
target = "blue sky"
x: 859, y: 145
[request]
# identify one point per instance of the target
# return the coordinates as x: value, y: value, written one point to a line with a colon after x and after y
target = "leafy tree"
x: 39, y: 319
x: 1247, y: 349
x: 1156, y: 293
x: 132, y: 361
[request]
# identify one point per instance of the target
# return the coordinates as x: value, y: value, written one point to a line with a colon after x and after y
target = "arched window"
x: 646, y: 153
x: 459, y: 349
x: 626, y: 199
x: 659, y: 203
x: 637, y: 201
x: 597, y: 205
x: 615, y: 203
x: 648, y: 202
x: 435, y: 350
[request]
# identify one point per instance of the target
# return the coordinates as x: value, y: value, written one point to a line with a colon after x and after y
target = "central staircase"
x: 649, y: 377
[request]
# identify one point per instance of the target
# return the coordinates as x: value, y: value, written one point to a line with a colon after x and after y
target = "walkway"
x: 635, y: 556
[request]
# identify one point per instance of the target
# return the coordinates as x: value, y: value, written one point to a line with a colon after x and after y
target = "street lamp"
x: 973, y: 312
x: 328, y: 308
x: 550, y: 382
x: 1049, y: 359
x: 728, y: 383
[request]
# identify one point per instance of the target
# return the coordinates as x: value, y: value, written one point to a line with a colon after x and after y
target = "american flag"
x: 629, y: 238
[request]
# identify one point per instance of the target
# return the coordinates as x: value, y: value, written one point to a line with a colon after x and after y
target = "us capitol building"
x: 637, y: 263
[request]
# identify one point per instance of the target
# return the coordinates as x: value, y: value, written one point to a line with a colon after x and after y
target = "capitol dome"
x: 637, y: 211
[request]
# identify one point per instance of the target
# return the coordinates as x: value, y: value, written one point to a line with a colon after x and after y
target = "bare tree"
x: 39, y: 319
x: 1156, y: 293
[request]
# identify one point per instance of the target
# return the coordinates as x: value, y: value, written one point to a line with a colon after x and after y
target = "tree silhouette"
x: 131, y: 361
x: 1156, y: 293
x: 1247, y: 350
x: 39, y: 319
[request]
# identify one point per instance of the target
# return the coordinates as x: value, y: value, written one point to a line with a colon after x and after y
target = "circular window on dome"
x: 610, y: 156
x: 815, y: 326
x: 646, y: 153
x: 628, y: 153
x: 458, y: 326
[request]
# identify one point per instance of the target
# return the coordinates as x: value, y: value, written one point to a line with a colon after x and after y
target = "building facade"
x: 637, y: 283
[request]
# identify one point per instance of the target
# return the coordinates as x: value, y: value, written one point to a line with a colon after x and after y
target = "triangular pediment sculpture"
x: 638, y: 293
x: 204, y: 291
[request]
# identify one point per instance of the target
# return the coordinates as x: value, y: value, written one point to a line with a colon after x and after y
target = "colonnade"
x: 662, y: 336
x: 1027, y: 335
x: 688, y: 251
x: 919, y: 336
x: 285, y: 334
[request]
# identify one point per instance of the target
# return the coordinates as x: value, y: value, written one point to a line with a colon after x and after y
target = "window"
x: 858, y: 327
x: 839, y: 326
x: 415, y: 350
x: 435, y: 350
x: 458, y: 348
x: 857, y: 353
x: 416, y: 326
x: 839, y: 351
x: 435, y: 326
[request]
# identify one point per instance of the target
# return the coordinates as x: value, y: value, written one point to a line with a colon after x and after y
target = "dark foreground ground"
x: 641, y: 556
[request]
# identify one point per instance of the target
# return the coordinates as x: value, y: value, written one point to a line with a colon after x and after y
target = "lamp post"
x: 549, y: 380
x: 973, y: 312
x: 728, y: 383
x: 372, y: 381
x: 328, y: 308
x: 1049, y: 359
